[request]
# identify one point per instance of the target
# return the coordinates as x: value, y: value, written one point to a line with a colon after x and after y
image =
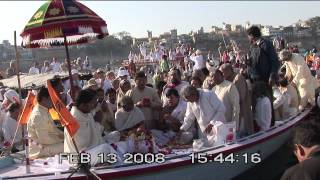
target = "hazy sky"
x: 139, y: 16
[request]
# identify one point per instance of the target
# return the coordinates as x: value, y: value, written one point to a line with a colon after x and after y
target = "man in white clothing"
x: 34, y: 69
x: 206, y: 108
x: 227, y: 93
x: 10, y: 124
x: 199, y: 61
x: 55, y: 65
x: 299, y: 73
x: 89, y: 137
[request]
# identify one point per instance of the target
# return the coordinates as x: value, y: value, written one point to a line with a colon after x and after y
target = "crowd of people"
x: 138, y: 111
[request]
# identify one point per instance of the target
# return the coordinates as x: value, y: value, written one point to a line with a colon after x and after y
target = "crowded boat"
x: 164, y: 101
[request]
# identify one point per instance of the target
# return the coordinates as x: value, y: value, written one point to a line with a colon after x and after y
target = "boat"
x: 222, y: 162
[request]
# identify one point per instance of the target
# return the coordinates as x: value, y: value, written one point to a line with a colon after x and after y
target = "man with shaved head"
x: 245, y: 125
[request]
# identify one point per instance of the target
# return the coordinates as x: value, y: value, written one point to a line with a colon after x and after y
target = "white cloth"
x: 44, y: 69
x: 298, y: 69
x: 283, y: 100
x: 263, y: 113
x: 106, y: 84
x: 33, y: 71
x: 9, y: 128
x: 207, y: 110
x: 200, y: 63
x: 56, y: 68
x: 228, y: 93
x: 89, y: 134
x: 125, y: 120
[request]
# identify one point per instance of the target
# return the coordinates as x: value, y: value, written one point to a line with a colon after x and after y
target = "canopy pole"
x: 69, y: 66
x: 18, y: 76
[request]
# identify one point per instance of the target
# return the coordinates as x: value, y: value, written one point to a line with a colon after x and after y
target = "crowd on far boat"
x: 184, y: 98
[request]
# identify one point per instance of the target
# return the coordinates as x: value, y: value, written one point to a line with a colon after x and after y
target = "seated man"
x: 262, y: 109
x: 103, y: 112
x: 46, y: 139
x: 128, y: 117
x: 89, y: 137
x: 174, y: 81
x: 173, y: 115
x: 10, y: 125
x: 130, y: 121
x: 111, y: 95
x: 206, y: 108
x: 283, y: 100
x: 306, y: 141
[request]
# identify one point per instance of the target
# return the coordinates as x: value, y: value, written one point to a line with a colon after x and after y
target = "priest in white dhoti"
x: 227, y: 93
x: 204, y: 107
x: 89, y: 137
x: 46, y: 139
x: 299, y: 73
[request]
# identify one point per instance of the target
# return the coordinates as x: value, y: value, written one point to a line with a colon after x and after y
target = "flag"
x: 27, y: 109
x: 66, y: 118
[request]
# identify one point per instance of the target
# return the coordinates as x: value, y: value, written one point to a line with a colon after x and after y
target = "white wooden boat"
x: 246, y: 153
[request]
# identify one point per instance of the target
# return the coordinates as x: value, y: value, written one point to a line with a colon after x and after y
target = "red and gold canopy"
x: 58, y: 18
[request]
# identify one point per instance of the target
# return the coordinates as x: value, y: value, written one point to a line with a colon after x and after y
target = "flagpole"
x: 18, y: 76
x: 69, y: 66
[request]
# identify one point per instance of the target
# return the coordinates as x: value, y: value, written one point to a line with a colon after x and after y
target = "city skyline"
x: 184, y: 16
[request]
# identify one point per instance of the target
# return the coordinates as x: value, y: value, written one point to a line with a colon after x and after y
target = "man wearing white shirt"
x: 200, y: 63
x: 10, y: 125
x: 34, y: 69
x: 102, y: 82
x: 206, y: 108
x: 55, y: 65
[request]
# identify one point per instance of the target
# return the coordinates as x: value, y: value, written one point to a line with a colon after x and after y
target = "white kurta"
x: 263, y: 113
x: 33, y: 71
x: 55, y: 67
x: 89, y: 134
x: 282, y: 103
x: 179, y: 88
x: 9, y: 128
x: 125, y: 120
x: 200, y: 63
x: 208, y: 110
x: 149, y: 113
x: 42, y: 130
x: 298, y: 69
x: 228, y: 93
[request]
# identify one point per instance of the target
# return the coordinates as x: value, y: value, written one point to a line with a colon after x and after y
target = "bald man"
x: 245, y: 125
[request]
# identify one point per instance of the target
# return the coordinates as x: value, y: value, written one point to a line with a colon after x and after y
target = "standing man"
x: 245, y: 125
x: 146, y: 99
x: 264, y: 63
x: 228, y: 94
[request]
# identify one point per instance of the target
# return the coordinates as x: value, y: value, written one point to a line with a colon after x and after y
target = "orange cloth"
x: 27, y: 109
x: 66, y: 118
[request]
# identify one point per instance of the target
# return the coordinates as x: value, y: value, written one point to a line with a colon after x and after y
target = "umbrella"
x: 63, y: 23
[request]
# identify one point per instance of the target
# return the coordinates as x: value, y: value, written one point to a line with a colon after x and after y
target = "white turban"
x: 11, y: 96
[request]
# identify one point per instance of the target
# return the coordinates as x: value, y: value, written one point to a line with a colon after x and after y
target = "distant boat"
x: 246, y: 153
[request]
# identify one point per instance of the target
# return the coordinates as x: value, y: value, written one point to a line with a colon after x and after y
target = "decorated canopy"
x: 58, y: 18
